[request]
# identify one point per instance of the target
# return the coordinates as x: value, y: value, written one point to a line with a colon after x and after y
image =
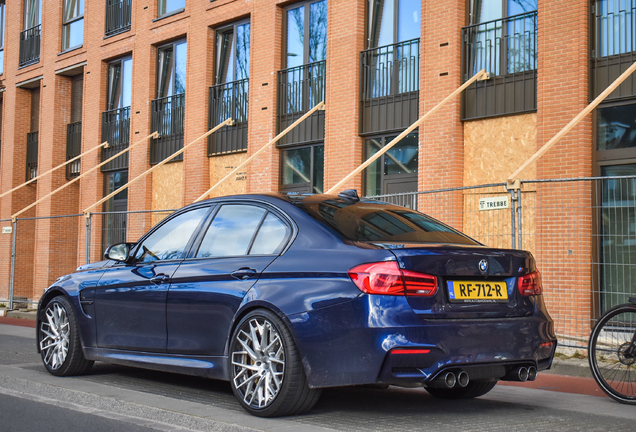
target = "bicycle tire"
x: 612, y: 365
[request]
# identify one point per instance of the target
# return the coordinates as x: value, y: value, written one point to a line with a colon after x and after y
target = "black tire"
x: 59, y: 341
x: 252, y: 368
x: 612, y: 353
x: 472, y: 390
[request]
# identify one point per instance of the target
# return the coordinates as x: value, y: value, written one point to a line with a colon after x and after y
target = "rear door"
x: 241, y: 240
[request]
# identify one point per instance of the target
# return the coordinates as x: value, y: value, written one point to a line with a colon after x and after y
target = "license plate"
x: 477, y: 292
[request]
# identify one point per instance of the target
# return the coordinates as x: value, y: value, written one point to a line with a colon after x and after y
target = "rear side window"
x: 241, y: 230
x: 381, y: 222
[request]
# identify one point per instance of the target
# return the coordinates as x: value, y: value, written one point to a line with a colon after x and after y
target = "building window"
x: 613, y: 31
x: 117, y: 16
x: 229, y: 95
x: 167, y: 115
x: 2, y: 21
x: 30, y: 36
x: 302, y: 169
x: 301, y: 84
x: 396, y: 170
x: 167, y: 7
x: 32, y: 136
x: 390, y: 65
x: 74, y: 128
x: 116, y: 118
x: 73, y: 24
x: 115, y: 218
x: 502, y: 39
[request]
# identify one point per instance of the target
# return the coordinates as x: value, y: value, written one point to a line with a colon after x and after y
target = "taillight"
x: 387, y: 278
x: 530, y: 284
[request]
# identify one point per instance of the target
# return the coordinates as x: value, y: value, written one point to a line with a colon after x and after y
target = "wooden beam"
x: 166, y: 160
x: 547, y: 146
x: 478, y: 76
x: 104, y: 144
x: 319, y: 106
x: 67, y: 184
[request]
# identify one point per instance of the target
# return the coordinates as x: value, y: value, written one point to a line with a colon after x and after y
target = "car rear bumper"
x: 363, y: 341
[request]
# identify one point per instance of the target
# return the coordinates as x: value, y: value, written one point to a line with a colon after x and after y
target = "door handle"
x: 159, y: 279
x: 243, y: 273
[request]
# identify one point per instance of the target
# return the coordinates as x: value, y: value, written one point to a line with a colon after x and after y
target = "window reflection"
x: 616, y: 127
x: 231, y: 232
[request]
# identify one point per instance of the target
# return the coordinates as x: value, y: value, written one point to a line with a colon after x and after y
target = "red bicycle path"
x: 544, y: 381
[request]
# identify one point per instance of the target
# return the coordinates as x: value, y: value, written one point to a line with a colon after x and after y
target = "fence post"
x: 87, y: 215
x: 512, y: 218
x: 519, y: 221
x: 12, y: 282
x: 515, y: 211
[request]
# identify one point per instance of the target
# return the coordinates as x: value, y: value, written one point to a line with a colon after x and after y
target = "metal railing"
x: 115, y: 130
x: 613, y: 46
x: 389, y: 86
x: 30, y: 46
x: 32, y: 156
x: 117, y: 16
x: 73, y: 148
x: 507, y: 49
x: 167, y: 117
x: 299, y: 89
x: 229, y: 100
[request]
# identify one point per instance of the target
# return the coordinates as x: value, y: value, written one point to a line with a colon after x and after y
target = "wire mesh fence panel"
x: 6, y: 244
x: 108, y: 228
x: 482, y: 212
x: 46, y: 248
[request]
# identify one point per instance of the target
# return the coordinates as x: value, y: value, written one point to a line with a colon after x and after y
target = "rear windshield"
x: 374, y: 221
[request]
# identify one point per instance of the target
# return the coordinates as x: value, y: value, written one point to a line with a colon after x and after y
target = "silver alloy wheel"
x: 259, y: 362
x: 55, y: 336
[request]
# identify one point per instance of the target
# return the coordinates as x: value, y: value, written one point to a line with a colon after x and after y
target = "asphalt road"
x: 116, y: 398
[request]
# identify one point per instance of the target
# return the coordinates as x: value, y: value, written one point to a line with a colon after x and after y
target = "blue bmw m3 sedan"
x: 283, y: 295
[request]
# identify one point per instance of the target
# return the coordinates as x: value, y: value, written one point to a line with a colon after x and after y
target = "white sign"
x: 494, y: 203
x: 7, y: 230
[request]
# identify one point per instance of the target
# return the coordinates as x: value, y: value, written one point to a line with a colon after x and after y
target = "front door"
x: 130, y: 300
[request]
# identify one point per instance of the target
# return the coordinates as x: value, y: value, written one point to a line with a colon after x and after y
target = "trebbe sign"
x: 493, y: 203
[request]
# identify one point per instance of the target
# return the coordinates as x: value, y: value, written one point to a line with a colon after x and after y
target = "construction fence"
x: 581, y: 231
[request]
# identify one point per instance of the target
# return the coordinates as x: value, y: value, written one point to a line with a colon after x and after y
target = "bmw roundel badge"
x: 483, y: 266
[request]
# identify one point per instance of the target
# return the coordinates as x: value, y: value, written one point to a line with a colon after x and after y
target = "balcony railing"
x: 389, y: 86
x: 32, y: 156
x: 73, y: 148
x: 117, y: 16
x: 300, y: 89
x: 115, y: 130
x: 167, y: 118
x: 30, y: 46
x: 507, y: 49
x: 613, y: 31
x: 229, y: 100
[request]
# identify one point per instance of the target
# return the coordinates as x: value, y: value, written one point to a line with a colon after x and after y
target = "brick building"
x: 76, y: 73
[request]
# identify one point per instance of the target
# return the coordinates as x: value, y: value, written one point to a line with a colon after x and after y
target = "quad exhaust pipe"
x: 522, y: 374
x: 450, y: 380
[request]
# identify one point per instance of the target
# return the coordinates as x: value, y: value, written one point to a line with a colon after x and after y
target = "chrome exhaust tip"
x: 450, y: 380
x: 532, y: 373
x: 463, y: 379
x: 522, y: 374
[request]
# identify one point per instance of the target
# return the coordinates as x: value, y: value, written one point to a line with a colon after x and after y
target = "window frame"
x: 306, y: 35
x: 166, y: 14
x: 26, y: 11
x: 3, y: 10
x: 396, y: 22
x: 312, y: 175
x: 159, y: 70
x: 66, y: 24
x: 121, y: 61
x: 217, y: 55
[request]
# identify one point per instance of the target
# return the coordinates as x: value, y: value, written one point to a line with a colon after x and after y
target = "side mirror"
x: 118, y: 252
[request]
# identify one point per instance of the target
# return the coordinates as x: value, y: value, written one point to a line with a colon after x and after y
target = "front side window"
x: 72, y: 24
x: 170, y: 239
x: 239, y: 230
x: 165, y: 7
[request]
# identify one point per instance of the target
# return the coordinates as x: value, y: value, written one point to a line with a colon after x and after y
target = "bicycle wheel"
x: 612, y: 353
